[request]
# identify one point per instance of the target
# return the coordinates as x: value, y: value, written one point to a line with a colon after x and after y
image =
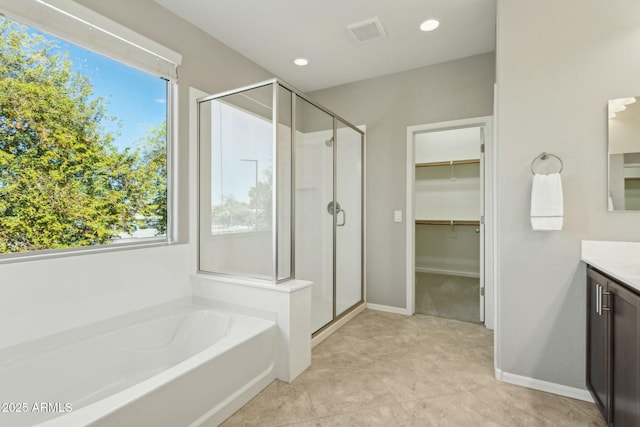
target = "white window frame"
x: 84, y: 27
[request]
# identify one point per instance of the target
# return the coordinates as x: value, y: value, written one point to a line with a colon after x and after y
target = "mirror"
x: 624, y: 154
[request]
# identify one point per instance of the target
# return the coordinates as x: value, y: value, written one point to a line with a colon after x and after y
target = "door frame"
x: 488, y: 267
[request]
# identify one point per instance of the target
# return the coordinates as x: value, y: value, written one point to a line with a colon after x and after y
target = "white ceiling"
x: 273, y: 32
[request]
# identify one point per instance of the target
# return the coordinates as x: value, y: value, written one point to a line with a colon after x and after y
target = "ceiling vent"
x: 367, y: 31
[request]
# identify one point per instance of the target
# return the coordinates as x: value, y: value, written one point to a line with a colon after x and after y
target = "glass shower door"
x: 348, y: 217
x: 328, y: 211
x: 313, y: 197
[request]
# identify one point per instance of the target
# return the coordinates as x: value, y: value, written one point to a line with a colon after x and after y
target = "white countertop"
x: 620, y: 260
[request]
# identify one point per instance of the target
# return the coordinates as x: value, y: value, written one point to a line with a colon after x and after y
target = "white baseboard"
x: 331, y: 329
x: 559, y: 389
x: 388, y: 309
x: 447, y: 272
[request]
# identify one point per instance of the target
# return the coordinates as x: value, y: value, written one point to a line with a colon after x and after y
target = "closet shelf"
x: 448, y: 163
x: 447, y: 222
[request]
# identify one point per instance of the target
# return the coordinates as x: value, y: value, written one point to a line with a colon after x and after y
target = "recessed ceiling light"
x: 429, y: 25
x: 301, y: 62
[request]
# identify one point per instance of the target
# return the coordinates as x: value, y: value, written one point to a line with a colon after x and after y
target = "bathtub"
x: 193, y: 366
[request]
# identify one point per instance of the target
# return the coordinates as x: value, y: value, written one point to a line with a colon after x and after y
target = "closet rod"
x: 446, y: 222
x: 448, y: 163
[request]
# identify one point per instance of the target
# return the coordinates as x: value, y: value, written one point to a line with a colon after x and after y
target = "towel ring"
x: 545, y: 156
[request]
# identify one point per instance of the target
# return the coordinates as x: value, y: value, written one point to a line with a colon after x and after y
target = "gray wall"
x: 387, y: 105
x: 558, y: 63
x: 207, y: 64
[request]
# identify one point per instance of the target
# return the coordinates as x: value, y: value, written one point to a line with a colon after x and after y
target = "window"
x: 83, y: 145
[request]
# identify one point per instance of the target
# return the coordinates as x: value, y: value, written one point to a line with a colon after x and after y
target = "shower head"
x: 329, y: 142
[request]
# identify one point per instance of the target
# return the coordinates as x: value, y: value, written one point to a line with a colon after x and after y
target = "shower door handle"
x: 344, y: 218
x: 338, y: 211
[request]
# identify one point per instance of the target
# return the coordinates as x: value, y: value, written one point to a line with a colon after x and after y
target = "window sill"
x: 91, y: 250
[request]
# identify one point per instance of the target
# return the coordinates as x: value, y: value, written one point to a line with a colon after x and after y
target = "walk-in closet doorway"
x: 450, y: 241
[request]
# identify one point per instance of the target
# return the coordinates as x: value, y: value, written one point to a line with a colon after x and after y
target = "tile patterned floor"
x: 384, y: 369
x: 454, y: 297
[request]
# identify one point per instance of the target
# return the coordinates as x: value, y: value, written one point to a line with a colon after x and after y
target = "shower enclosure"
x: 281, y: 194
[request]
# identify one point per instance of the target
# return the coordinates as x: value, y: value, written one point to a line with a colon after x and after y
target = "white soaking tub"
x: 194, y: 366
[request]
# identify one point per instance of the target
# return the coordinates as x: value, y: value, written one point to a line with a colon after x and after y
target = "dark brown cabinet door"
x: 598, y: 327
x: 625, y: 342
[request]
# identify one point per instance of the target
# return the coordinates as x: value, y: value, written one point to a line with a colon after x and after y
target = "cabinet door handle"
x: 603, y: 307
x: 598, y: 295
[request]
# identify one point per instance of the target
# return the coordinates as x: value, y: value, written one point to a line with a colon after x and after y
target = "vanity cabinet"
x: 613, y: 349
x: 598, y: 333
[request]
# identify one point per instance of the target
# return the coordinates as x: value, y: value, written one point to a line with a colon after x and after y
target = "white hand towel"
x: 546, y: 202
